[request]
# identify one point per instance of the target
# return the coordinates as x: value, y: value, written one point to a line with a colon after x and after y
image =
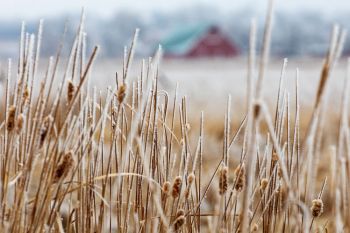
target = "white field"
x: 207, y: 83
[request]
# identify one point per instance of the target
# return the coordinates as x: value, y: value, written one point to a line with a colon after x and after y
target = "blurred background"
x: 196, y: 28
x: 205, y: 42
x: 205, y: 46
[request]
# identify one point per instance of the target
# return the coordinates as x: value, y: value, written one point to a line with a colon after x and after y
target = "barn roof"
x: 183, y: 39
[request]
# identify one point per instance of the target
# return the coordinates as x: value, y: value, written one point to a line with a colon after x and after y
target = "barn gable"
x: 199, y: 41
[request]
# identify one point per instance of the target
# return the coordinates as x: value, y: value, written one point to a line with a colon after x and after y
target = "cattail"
x: 180, y: 212
x: 256, y: 110
x: 279, y: 172
x: 179, y: 222
x: 64, y: 167
x: 240, y: 177
x: 19, y: 123
x: 254, y: 228
x: 274, y: 156
x: 317, y: 207
x: 70, y: 91
x: 7, y: 214
x: 239, y: 217
x: 176, y: 187
x: 166, y: 188
x: 223, y: 180
x: 263, y: 184
x: 191, y: 178
x: 44, y: 129
x: 11, y: 118
x: 26, y: 93
x: 121, y: 94
x: 278, y: 190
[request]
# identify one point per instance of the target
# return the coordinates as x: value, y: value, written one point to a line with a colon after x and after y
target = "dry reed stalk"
x: 126, y: 150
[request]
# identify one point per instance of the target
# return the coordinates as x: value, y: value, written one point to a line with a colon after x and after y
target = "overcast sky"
x: 25, y: 9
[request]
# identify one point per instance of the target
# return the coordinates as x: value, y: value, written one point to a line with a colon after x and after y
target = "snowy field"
x: 207, y: 83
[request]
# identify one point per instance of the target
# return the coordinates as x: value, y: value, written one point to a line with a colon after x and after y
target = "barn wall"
x: 213, y: 44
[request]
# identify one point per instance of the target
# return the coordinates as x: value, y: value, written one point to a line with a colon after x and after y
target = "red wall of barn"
x: 213, y: 44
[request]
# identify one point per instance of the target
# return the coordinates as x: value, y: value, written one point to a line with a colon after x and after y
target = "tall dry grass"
x: 75, y: 159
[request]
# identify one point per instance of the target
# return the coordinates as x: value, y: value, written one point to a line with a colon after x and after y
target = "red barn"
x: 198, y: 42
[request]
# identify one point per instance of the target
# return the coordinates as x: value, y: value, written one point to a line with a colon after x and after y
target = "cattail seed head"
x: 179, y: 222
x: 254, y: 228
x: 279, y: 172
x: 166, y: 188
x: 263, y: 184
x: 240, y: 177
x: 44, y: 129
x: 64, y: 167
x: 317, y: 208
x: 121, y: 94
x: 256, y: 110
x: 190, y: 178
x: 26, y: 93
x: 11, y: 118
x: 180, y: 212
x: 278, y: 189
x: 19, y: 123
x: 176, y: 187
x: 274, y: 156
x: 223, y: 180
x: 70, y: 91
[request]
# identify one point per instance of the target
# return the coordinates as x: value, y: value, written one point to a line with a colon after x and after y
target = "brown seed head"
x: 19, y: 122
x: 70, y: 91
x: 166, y: 188
x: 63, y: 168
x: 223, y: 180
x: 44, y: 129
x: 26, y: 93
x: 240, y: 177
x: 11, y: 118
x: 121, y: 94
x: 180, y: 212
x: 274, y: 156
x: 178, y: 223
x: 176, y: 187
x: 190, y: 178
x: 317, y: 207
x: 263, y: 183
x: 254, y: 228
x: 256, y: 110
x: 279, y: 172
